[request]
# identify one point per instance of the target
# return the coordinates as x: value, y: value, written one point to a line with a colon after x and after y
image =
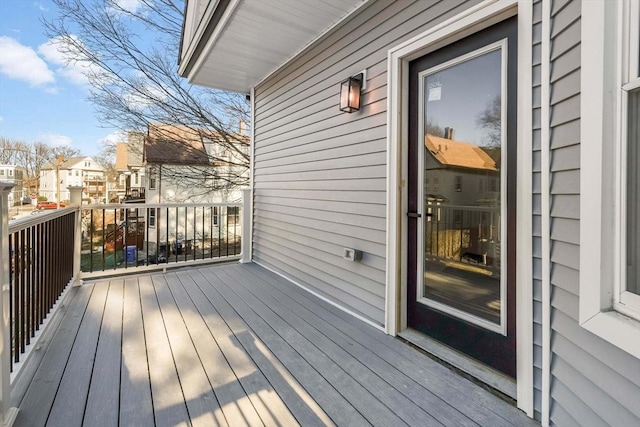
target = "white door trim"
x: 468, y: 22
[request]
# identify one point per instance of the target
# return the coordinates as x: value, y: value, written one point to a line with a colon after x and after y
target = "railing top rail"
x: 39, y: 218
x: 157, y: 205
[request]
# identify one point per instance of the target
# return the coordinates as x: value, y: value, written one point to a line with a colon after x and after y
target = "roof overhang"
x: 234, y: 44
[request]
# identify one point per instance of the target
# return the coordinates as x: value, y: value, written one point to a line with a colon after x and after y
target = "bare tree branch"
x: 129, y: 58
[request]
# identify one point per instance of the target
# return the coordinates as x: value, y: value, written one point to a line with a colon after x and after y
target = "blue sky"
x: 41, y: 99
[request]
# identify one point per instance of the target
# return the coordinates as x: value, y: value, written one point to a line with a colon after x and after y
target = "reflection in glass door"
x: 461, y: 109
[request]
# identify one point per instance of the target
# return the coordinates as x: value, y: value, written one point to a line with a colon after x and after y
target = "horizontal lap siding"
x: 593, y: 382
x: 320, y: 174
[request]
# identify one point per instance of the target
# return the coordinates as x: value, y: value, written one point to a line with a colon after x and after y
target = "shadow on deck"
x: 236, y: 345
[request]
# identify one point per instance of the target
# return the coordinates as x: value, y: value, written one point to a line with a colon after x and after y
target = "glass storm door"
x: 461, y: 254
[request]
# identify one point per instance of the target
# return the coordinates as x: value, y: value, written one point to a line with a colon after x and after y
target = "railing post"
x: 75, y: 197
x: 246, y: 255
x: 7, y: 413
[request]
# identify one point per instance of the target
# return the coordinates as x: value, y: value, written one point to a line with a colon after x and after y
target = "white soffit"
x: 261, y: 35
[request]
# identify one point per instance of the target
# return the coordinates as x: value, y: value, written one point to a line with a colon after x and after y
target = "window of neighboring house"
x: 493, y: 185
x: 152, y: 179
x: 135, y: 178
x: 77, y: 173
x: 458, y: 184
x: 152, y: 218
x: 233, y: 215
x: 610, y: 159
x: 1, y: 172
x: 10, y: 172
x: 216, y: 214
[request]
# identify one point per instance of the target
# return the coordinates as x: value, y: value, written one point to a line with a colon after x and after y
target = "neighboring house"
x: 15, y: 175
x: 188, y: 166
x: 77, y: 171
x: 466, y: 172
x: 552, y: 86
x: 175, y: 164
x: 130, y: 169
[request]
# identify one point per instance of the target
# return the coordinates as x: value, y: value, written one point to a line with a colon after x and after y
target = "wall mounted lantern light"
x: 350, y: 90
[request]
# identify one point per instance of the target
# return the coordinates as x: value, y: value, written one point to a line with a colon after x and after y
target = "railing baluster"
x: 203, y: 233
x: 211, y: 213
x: 12, y: 294
x: 41, y: 273
x: 28, y: 284
x: 32, y: 280
x: 186, y: 230
x: 16, y: 300
x: 147, y: 234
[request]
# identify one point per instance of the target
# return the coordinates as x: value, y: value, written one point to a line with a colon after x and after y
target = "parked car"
x: 49, y: 205
x: 26, y: 200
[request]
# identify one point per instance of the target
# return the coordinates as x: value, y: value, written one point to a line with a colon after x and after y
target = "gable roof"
x: 71, y: 162
x: 459, y: 154
x: 174, y: 145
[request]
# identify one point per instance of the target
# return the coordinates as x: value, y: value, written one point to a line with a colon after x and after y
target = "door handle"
x: 413, y: 215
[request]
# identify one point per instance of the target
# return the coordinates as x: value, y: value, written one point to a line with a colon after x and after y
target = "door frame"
x: 476, y: 18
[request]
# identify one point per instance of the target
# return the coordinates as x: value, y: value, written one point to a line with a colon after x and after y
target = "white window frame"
x: 501, y: 327
x: 605, y: 308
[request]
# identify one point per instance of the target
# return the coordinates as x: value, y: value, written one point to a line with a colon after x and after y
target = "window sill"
x: 616, y: 328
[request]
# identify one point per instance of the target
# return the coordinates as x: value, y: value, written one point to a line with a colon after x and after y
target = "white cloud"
x: 146, y: 96
x: 131, y: 6
x: 40, y: 6
x: 55, y: 140
x: 113, y: 137
x: 71, y: 62
x: 21, y: 62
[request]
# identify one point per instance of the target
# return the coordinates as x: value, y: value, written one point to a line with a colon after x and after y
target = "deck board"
x: 69, y: 403
x: 169, y: 405
x: 413, y: 400
x: 369, y: 393
x: 232, y: 398
x: 103, y: 402
x: 136, y: 407
x: 474, y: 402
x: 237, y: 345
x: 337, y: 407
x: 202, y: 404
x: 37, y: 401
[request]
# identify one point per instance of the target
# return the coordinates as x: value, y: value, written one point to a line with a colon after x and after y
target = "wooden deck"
x: 237, y: 345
